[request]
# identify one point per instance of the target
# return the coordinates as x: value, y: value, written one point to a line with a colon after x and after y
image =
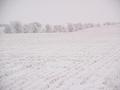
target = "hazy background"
x: 59, y: 11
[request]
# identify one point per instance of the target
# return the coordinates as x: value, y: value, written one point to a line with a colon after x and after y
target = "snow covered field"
x: 84, y: 60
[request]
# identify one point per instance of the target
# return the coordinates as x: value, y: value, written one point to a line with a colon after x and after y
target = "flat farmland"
x: 83, y: 60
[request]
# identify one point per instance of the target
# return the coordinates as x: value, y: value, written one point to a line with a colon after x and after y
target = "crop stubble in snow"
x: 83, y: 60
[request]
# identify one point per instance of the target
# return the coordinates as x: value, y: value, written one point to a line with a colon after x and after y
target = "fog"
x: 59, y: 11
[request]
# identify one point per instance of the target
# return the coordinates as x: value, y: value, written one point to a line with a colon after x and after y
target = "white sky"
x: 59, y: 11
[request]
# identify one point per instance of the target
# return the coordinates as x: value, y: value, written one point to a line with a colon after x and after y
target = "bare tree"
x: 35, y: 27
x: 70, y: 27
x: 48, y: 28
x: 17, y: 27
x: 26, y: 29
x: 7, y: 29
x: 77, y: 26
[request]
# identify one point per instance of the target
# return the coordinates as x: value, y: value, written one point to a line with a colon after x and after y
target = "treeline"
x: 17, y: 27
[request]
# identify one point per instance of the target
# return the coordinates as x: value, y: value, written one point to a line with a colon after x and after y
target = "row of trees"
x: 17, y: 27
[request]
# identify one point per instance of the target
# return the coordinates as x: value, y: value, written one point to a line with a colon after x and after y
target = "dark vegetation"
x: 17, y: 27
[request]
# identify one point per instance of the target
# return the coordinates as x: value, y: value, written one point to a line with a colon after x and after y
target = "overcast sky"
x: 59, y: 11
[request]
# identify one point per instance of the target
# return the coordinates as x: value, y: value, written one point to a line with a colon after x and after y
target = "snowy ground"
x: 83, y: 60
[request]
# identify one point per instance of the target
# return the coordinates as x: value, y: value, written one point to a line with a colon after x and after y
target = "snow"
x: 83, y: 60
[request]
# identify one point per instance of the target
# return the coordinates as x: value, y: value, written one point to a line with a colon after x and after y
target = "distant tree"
x: 70, y: 27
x: 107, y: 24
x: 26, y: 29
x: 43, y: 29
x: 7, y: 29
x: 36, y: 27
x: 62, y: 28
x: 97, y: 25
x: 56, y: 28
x: 77, y: 26
x: 2, y: 29
x: 48, y: 28
x: 32, y: 28
x: 17, y: 27
x: 59, y: 28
